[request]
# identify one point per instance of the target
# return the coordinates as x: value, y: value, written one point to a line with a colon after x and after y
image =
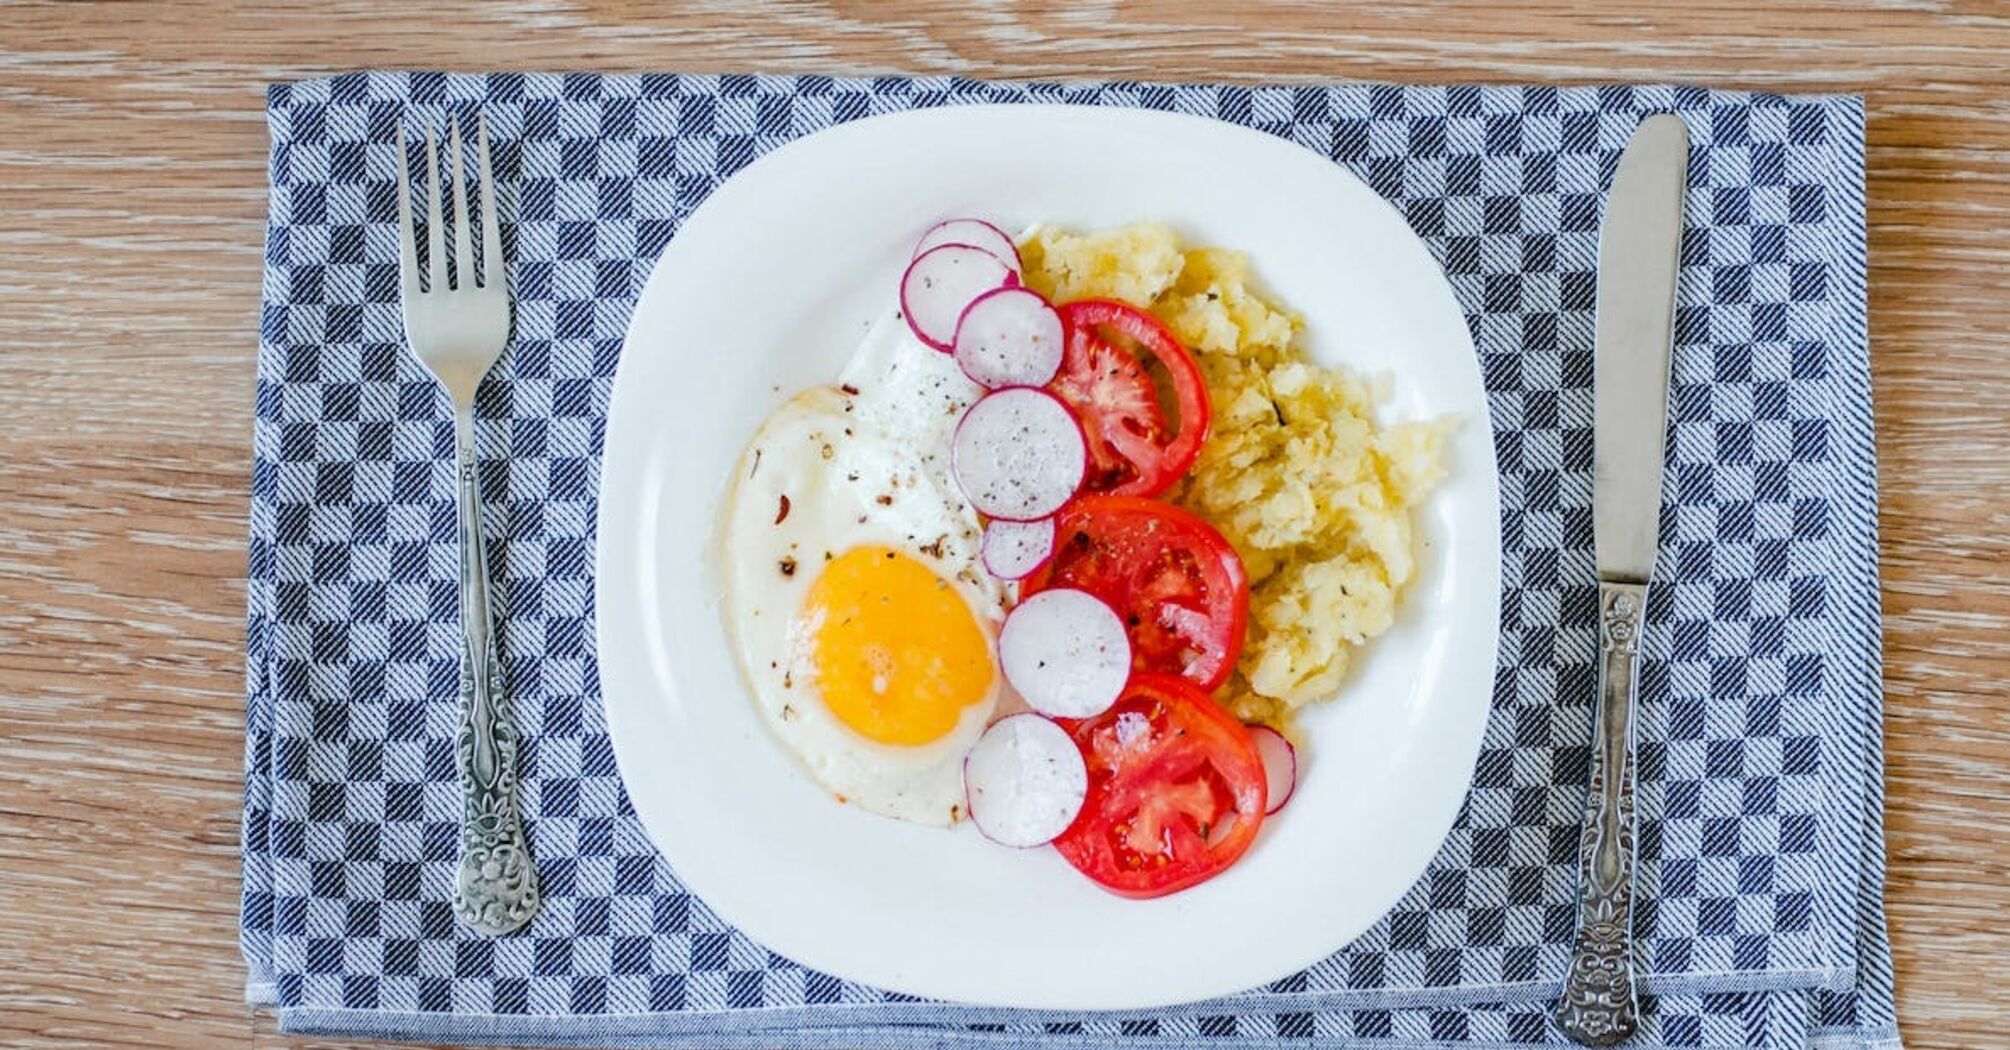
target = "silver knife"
x: 1639, y: 249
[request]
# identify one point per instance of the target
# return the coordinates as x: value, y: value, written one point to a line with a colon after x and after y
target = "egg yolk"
x: 896, y: 653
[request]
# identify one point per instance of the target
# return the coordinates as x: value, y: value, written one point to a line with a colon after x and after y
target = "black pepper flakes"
x: 788, y: 566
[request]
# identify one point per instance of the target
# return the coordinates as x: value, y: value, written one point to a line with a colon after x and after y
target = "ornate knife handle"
x: 496, y: 891
x: 1599, y: 1006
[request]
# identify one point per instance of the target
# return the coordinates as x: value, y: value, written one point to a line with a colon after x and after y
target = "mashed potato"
x: 1310, y: 489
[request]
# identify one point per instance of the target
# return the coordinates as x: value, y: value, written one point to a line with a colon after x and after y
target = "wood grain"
x: 132, y: 146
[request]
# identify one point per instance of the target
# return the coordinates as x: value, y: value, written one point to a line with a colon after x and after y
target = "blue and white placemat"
x: 1761, y: 843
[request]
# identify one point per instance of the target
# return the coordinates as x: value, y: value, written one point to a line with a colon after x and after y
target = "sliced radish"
x: 1018, y: 454
x: 1066, y: 652
x: 1013, y: 549
x: 943, y: 280
x: 1009, y: 337
x: 1280, y: 765
x: 1025, y: 780
x: 974, y: 232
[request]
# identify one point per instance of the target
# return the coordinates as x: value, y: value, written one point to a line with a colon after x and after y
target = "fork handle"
x: 1599, y: 1003
x: 496, y: 891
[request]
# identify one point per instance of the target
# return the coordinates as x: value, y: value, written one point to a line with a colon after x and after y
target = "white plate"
x: 766, y: 290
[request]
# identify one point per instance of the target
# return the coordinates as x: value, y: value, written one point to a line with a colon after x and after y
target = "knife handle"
x: 1599, y: 1006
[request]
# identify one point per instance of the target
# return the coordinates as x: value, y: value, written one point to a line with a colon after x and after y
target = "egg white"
x: 861, y: 463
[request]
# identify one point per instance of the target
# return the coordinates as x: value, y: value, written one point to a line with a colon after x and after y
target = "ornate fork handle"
x: 1599, y: 1006
x: 496, y: 891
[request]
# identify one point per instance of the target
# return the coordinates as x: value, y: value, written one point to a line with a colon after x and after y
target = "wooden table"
x: 132, y: 202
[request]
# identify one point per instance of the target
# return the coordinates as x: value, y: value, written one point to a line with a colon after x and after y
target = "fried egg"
x: 864, y: 622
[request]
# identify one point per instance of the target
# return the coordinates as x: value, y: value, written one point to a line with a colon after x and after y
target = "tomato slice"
x: 1176, y: 790
x: 1132, y: 452
x: 1177, y: 583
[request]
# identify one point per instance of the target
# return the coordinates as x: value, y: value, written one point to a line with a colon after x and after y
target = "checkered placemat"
x: 1760, y: 791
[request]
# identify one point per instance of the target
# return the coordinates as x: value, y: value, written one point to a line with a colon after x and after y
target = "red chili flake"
x: 784, y: 511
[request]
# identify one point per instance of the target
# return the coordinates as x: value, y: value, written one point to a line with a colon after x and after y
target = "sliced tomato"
x: 1177, y: 583
x: 1133, y: 451
x: 1176, y: 790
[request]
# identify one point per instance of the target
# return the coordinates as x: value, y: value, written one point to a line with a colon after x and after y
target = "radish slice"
x: 940, y: 282
x: 1009, y: 337
x: 1018, y: 454
x: 1025, y: 780
x: 1013, y: 549
x: 974, y: 232
x: 1280, y: 765
x: 1066, y: 652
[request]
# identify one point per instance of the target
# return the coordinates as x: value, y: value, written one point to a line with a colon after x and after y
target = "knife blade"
x: 1639, y: 246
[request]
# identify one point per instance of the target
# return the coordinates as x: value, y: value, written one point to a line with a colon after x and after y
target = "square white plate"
x: 766, y: 290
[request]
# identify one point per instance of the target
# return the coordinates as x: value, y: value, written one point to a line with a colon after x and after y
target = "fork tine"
x: 492, y: 260
x: 408, y: 235
x: 464, y: 252
x: 436, y: 232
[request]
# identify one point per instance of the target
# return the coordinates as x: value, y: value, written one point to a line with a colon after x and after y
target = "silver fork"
x: 458, y: 332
